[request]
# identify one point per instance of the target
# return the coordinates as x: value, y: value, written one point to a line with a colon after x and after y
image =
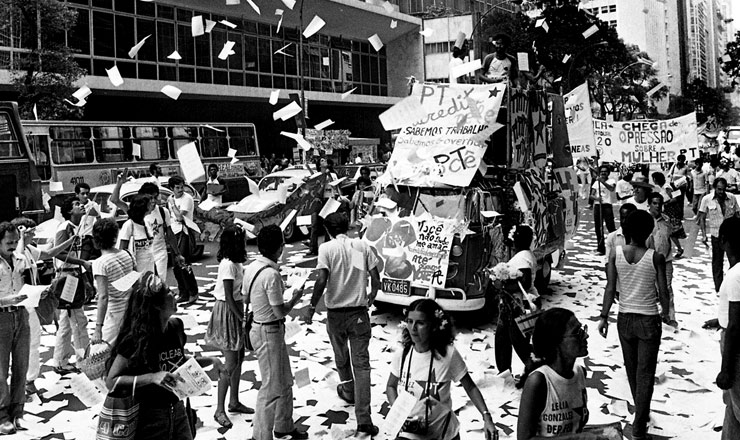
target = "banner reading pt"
x: 642, y: 141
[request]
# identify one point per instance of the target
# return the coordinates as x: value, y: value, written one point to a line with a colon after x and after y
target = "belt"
x: 348, y: 309
x: 11, y: 308
x: 278, y: 322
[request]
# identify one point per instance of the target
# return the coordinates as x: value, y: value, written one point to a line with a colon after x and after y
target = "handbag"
x: 119, y: 417
x: 249, y: 318
x: 46, y: 310
x: 93, y: 365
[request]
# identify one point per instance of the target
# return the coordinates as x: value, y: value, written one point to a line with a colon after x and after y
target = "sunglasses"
x: 580, y: 334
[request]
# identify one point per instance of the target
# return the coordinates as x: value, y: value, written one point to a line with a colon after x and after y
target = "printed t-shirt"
x: 433, y: 387
x: 349, y: 262
x: 267, y: 290
x: 157, y: 228
x: 499, y: 69
x: 166, y: 353
x: 565, y: 410
x: 140, y: 245
x: 228, y: 270
x: 729, y: 291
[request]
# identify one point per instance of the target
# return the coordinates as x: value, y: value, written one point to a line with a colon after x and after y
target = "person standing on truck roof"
x: 499, y: 66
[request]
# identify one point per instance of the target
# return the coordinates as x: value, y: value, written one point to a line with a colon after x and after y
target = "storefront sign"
x: 645, y: 141
x: 446, y: 144
x: 412, y: 250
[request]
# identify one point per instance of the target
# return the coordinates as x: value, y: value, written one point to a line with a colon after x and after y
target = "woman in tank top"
x: 554, y: 398
x: 642, y: 280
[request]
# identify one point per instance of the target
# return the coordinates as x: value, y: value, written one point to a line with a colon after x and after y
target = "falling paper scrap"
x: 134, y: 50
x: 316, y: 24
x: 135, y: 149
x: 274, y: 96
x: 302, y: 142
x: 174, y: 56
x: 228, y: 23
x: 289, y: 3
x: 427, y: 32
x: 388, y: 6
x: 348, y: 92
x: 375, y: 41
x: 543, y: 24
x: 231, y: 153
x: 280, y: 22
x: 196, y: 26
x: 324, y: 124
x: 115, y: 76
x: 171, y: 91
x: 394, y: 24
x: 225, y: 51
x: 210, y: 25
x: 255, y: 7
x: 566, y: 58
x: 287, y: 112
x: 82, y: 93
x: 590, y: 31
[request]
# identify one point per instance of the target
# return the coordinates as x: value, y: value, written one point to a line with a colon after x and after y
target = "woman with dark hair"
x: 639, y: 270
x: 673, y: 209
x: 429, y: 358
x: 150, y: 347
x: 512, y: 303
x: 554, y: 397
x: 112, y: 265
x: 225, y: 327
x: 135, y: 236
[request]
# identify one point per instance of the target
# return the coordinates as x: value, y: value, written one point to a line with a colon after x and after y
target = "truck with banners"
x: 461, y: 174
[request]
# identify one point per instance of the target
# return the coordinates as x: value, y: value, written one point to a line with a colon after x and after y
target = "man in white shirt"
x: 729, y: 174
x: 604, y: 197
x: 700, y: 182
x: 641, y: 191
x: 624, y: 187
x: 499, y: 66
x: 214, y: 189
x: 92, y: 214
x: 181, y: 206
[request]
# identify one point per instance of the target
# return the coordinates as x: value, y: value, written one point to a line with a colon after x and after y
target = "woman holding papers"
x: 111, y: 266
x: 150, y: 347
x: 426, y: 367
x: 224, y: 329
x: 554, y: 398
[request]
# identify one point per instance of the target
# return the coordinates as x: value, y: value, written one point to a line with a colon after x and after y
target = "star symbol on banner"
x: 493, y: 93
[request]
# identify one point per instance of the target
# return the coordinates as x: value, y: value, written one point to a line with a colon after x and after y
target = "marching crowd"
x: 147, y: 343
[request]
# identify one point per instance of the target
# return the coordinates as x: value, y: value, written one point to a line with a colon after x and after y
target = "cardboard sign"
x: 412, y: 249
x: 446, y: 145
x: 649, y: 142
x: 70, y: 287
x: 579, y: 122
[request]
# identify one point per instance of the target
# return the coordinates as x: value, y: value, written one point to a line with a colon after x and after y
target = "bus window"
x: 9, y: 145
x: 242, y: 140
x: 214, y: 143
x: 153, y: 141
x: 112, y: 144
x: 180, y: 136
x: 71, y: 145
x: 40, y: 150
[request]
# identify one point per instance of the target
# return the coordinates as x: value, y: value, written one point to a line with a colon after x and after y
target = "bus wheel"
x: 542, y: 278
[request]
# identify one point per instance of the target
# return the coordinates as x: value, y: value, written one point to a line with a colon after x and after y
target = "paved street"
x: 686, y: 405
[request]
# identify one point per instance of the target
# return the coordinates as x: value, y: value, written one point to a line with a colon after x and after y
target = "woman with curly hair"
x: 224, y: 329
x: 135, y: 236
x: 150, y: 347
x: 554, y: 398
x: 429, y: 358
x: 512, y: 303
x: 112, y: 265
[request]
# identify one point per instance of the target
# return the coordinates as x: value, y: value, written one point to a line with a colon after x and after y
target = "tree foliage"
x: 732, y: 67
x: 44, y: 76
x: 706, y: 101
x: 619, y: 76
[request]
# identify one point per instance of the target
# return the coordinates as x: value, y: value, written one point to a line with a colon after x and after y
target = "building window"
x: 612, y: 8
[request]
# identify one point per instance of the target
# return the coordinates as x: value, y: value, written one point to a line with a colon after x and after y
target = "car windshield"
x: 733, y: 135
x: 271, y: 183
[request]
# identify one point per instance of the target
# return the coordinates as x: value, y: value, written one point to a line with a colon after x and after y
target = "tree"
x: 45, y: 76
x: 706, y: 101
x: 732, y: 66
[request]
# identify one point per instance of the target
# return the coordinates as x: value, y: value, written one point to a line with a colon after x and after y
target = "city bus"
x: 72, y: 152
x: 21, y: 186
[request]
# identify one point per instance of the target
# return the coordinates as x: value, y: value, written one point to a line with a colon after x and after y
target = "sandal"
x: 222, y: 420
x: 240, y: 408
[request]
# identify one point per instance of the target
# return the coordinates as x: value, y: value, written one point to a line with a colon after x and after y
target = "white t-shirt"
x: 139, y: 244
x: 228, y: 270
x: 432, y: 387
x: 184, y: 203
x: 728, y: 291
x: 526, y: 260
x: 602, y: 193
x: 642, y: 206
x: 157, y: 228
x: 349, y: 261
x: 499, y: 69
x: 623, y: 189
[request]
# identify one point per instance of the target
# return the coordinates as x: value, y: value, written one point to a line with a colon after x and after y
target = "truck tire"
x: 290, y: 232
x: 542, y: 278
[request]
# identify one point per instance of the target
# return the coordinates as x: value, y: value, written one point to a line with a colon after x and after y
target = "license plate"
x: 399, y: 287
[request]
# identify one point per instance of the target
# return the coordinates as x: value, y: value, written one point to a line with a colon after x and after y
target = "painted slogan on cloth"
x: 411, y: 250
x: 528, y: 128
x: 535, y: 191
x: 443, y: 132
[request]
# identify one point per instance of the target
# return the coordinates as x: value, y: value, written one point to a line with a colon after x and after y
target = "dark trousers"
x: 187, y: 286
x: 718, y: 261
x: 639, y: 336
x: 507, y: 336
x: 605, y: 214
x: 163, y: 423
x: 349, y: 334
x: 317, y: 230
x: 14, y: 345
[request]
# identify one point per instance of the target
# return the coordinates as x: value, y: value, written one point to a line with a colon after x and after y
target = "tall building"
x: 337, y: 59
x: 708, y: 34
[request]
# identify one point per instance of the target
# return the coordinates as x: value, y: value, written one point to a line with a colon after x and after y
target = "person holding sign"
x: 426, y: 367
x: 14, y: 327
x: 343, y: 268
x: 112, y: 265
x: 150, y: 347
x: 214, y: 189
x: 554, y: 398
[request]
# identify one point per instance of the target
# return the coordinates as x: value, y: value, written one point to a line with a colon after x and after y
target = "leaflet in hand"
x: 33, y: 294
x: 398, y: 413
x: 195, y: 381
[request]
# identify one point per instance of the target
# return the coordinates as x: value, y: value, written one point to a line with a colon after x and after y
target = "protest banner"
x: 534, y: 190
x: 411, y: 251
x: 569, y: 186
x: 561, y: 156
x: 579, y: 122
x: 446, y: 144
x: 520, y: 133
x: 538, y: 105
x: 646, y: 141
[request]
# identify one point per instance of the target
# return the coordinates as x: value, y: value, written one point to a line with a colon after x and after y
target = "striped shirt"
x: 113, y: 266
x: 638, y: 292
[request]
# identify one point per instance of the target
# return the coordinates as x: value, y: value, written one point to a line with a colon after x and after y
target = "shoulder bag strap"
x: 251, y: 284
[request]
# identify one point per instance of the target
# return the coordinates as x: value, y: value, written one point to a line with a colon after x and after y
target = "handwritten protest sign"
x: 446, y: 144
x: 643, y: 141
x: 521, y: 145
x: 412, y: 251
x: 580, y: 122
